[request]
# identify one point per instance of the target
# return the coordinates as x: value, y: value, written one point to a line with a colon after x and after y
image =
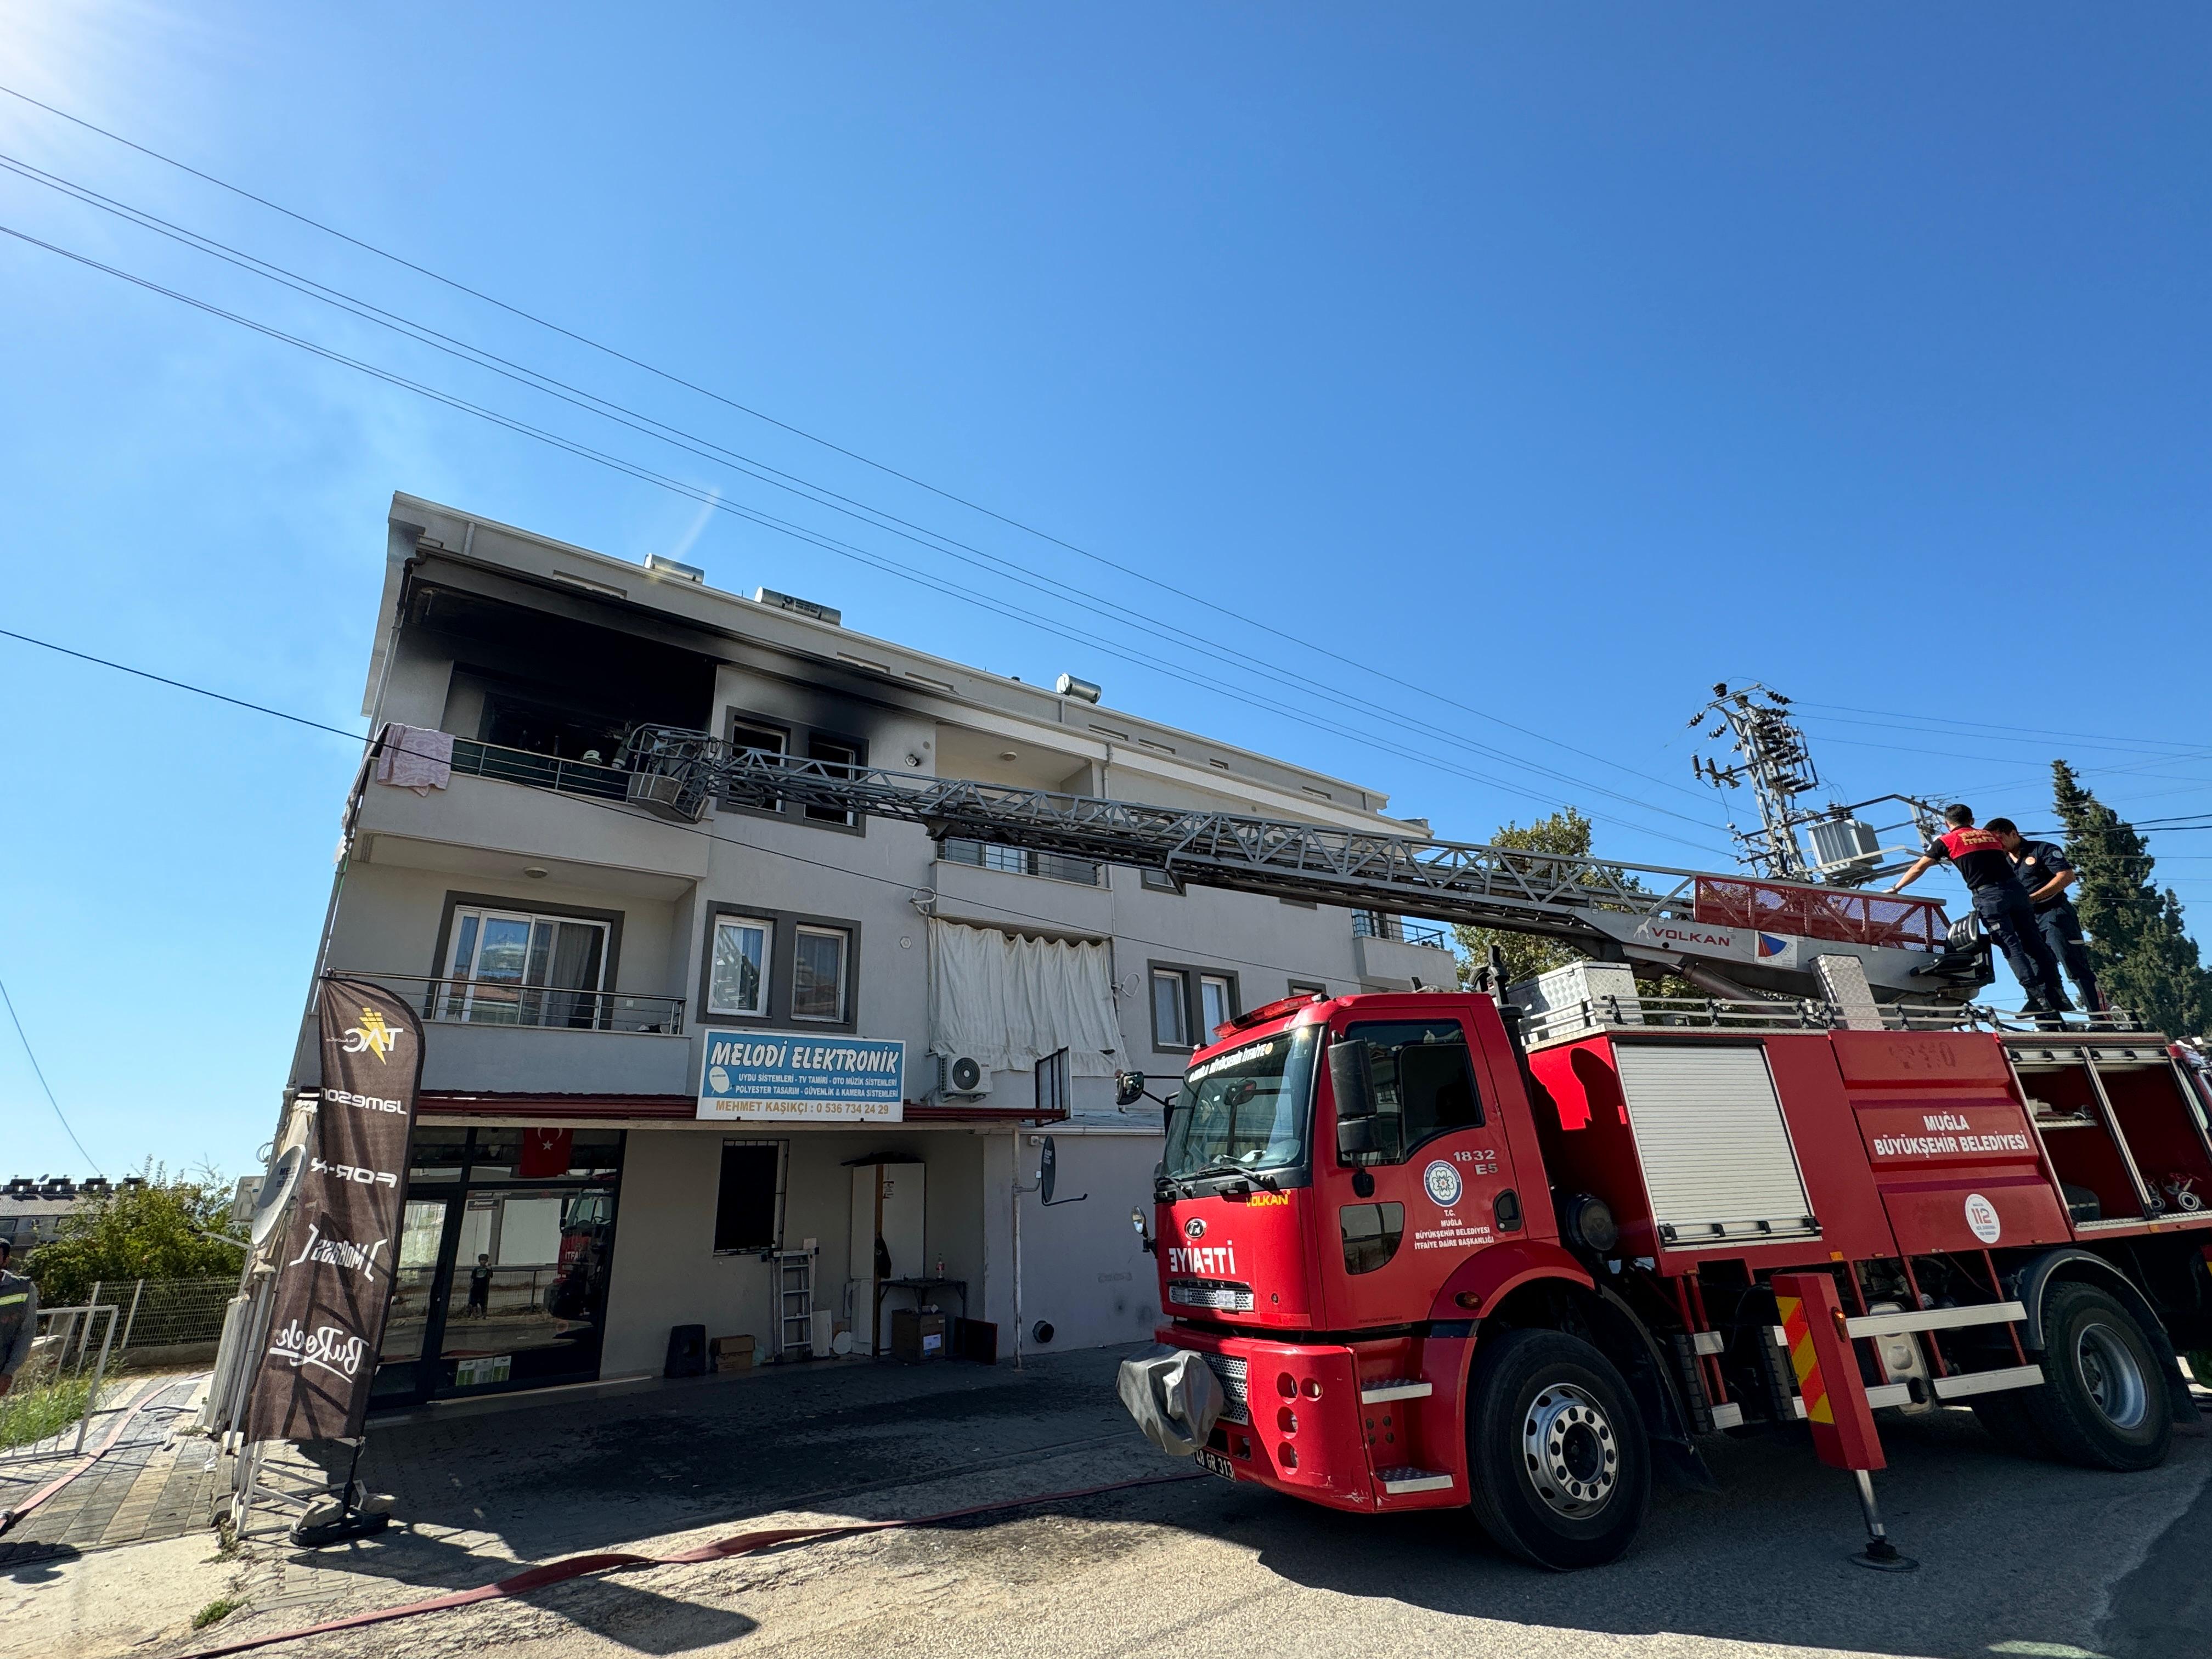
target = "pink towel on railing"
x: 416, y: 757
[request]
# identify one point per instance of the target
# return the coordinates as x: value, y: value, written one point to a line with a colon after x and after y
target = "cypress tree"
x: 2146, y: 961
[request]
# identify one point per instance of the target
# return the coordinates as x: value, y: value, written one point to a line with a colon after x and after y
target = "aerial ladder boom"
x: 1719, y: 929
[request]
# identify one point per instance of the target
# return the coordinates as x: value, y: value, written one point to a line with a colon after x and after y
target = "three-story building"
x: 570, y: 1200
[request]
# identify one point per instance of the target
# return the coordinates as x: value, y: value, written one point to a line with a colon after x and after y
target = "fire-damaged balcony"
x: 528, y: 807
x: 513, y: 1038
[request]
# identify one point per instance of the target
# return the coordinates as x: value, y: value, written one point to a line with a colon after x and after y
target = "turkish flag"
x: 544, y: 1153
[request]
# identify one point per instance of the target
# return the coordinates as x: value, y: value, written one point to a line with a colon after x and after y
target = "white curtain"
x: 1008, y: 1002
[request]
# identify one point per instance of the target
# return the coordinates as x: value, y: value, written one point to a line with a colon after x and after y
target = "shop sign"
x: 796, y: 1076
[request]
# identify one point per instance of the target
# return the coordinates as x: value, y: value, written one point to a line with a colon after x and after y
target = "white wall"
x: 666, y: 1271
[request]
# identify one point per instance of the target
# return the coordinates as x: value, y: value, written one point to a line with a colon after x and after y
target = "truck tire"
x: 1557, y: 1460
x: 2103, y: 1400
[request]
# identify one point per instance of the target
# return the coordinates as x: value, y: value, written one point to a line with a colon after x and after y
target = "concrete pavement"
x: 2019, y: 1558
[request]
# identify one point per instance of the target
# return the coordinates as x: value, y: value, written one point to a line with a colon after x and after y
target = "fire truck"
x: 1519, y: 1250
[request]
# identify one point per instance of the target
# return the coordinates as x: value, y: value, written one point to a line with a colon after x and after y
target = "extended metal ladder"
x: 1768, y: 933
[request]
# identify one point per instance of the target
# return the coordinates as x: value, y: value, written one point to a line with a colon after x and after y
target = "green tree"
x: 157, y: 1230
x: 1566, y: 833
x: 2146, y: 962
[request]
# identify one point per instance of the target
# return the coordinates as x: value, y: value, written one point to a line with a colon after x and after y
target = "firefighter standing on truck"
x: 2000, y: 900
x: 2045, y: 871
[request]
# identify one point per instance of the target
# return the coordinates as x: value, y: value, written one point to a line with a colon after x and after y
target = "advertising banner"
x: 792, y: 1077
x: 334, y: 1273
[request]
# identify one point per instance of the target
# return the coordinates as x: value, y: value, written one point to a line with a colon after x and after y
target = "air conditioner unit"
x: 961, y: 1078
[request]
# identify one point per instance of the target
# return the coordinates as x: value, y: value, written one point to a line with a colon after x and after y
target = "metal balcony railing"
x: 1019, y: 861
x: 1375, y: 924
x: 542, y: 1007
x: 535, y: 771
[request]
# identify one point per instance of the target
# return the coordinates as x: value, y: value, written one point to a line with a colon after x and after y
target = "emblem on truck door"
x: 1194, y: 1228
x: 1443, y: 1182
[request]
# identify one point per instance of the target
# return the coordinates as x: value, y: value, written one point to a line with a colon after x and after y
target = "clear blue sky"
x: 1557, y: 362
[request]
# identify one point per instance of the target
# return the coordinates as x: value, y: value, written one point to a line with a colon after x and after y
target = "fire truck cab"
x: 1438, y: 1252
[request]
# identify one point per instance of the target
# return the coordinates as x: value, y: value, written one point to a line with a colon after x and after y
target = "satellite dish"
x: 1048, y: 1168
x: 841, y: 1344
x: 276, y: 1195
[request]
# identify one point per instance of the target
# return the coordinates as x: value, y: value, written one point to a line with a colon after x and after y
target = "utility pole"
x: 1771, y: 755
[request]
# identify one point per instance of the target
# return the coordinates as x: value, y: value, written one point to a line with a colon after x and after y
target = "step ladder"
x: 794, y: 1304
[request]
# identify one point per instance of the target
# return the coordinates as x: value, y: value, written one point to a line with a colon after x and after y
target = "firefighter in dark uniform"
x: 2045, y: 871
x: 2000, y: 901
x: 19, y: 1318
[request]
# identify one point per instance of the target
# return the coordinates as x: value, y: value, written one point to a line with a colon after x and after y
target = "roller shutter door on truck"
x: 1718, y: 1161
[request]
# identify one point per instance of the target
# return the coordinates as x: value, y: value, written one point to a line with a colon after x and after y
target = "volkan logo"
x: 1442, y: 1183
x: 1771, y: 946
x: 371, y: 1037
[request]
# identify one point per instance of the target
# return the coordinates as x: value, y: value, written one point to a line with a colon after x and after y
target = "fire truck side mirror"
x: 1351, y: 1080
x: 1128, y: 1088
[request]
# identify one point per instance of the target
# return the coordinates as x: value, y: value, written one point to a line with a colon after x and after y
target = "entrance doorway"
x: 505, y: 1249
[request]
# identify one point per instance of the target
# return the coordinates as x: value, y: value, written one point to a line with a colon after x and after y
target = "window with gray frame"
x: 1188, y: 1003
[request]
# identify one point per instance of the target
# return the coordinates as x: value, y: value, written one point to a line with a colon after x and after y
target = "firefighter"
x: 2045, y: 871
x: 2000, y: 900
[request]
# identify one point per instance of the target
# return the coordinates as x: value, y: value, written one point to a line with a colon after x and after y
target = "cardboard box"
x: 738, y: 1360
x: 917, y: 1336
x: 722, y: 1345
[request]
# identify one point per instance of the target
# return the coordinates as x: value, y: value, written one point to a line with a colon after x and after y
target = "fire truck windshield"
x: 1246, y: 1109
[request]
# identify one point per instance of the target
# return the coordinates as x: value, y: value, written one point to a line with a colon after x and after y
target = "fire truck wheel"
x: 2102, y: 1402
x: 1559, y: 1466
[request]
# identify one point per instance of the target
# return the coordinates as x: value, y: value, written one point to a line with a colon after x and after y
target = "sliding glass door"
x: 509, y: 968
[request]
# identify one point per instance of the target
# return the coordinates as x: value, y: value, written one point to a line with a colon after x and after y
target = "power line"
x: 676, y: 379
x: 706, y: 449
x: 40, y: 1071
x: 619, y: 809
x: 1986, y: 725
x: 712, y: 499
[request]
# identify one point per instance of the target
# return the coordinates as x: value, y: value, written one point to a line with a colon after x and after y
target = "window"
x: 1215, y: 1007
x: 818, y: 974
x: 749, y: 1203
x: 1187, y: 1004
x: 747, y: 734
x: 1304, y: 987
x: 1169, y: 1029
x: 1423, y: 1080
x: 510, y: 968
x: 778, y: 967
x: 738, y: 980
x: 839, y: 759
x: 1159, y: 881
x: 1018, y: 860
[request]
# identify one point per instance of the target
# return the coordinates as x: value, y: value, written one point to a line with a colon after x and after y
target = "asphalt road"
x: 2018, y: 1558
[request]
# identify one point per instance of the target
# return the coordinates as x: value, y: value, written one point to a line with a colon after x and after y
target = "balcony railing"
x: 1019, y: 861
x: 1376, y: 924
x: 541, y: 1007
x: 565, y: 777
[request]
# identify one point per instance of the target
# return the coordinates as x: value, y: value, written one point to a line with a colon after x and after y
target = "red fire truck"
x: 1422, y: 1250
x: 1439, y: 1251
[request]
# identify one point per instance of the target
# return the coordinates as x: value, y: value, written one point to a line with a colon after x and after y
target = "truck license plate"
x: 1214, y: 1464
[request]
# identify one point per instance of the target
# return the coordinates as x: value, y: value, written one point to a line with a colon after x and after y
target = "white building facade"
x: 569, y: 1210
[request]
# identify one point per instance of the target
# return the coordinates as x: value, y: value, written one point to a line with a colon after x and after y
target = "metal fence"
x: 163, y: 1313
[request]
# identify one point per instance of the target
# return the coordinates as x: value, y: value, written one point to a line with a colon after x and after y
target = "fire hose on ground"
x: 721, y: 1549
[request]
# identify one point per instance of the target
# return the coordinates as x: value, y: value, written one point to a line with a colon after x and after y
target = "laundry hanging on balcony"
x: 414, y: 757
x: 1008, y: 1001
